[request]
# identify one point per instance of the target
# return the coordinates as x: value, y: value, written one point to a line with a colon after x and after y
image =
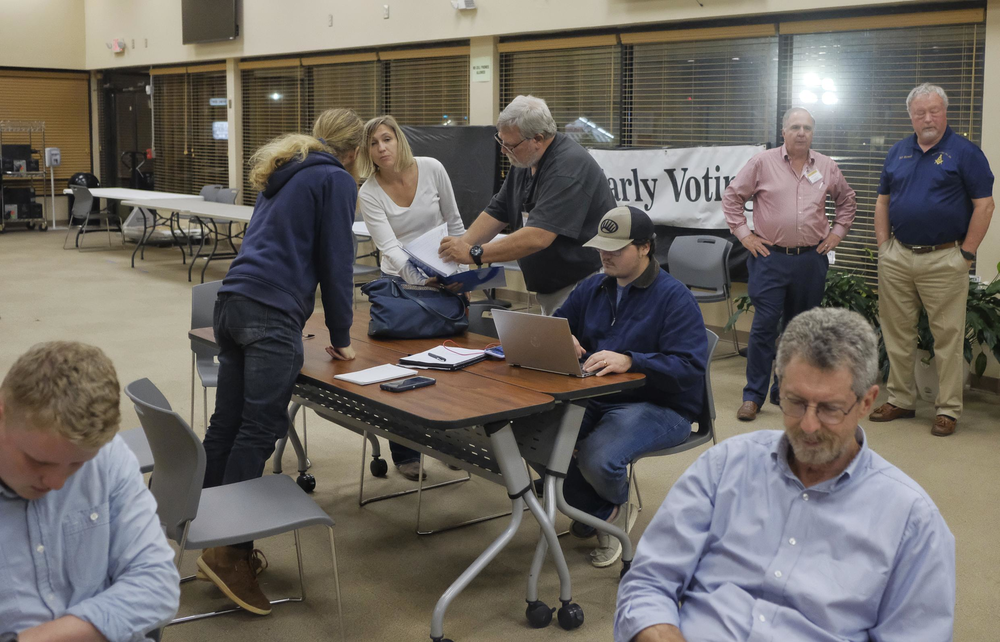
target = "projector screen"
x: 208, y: 21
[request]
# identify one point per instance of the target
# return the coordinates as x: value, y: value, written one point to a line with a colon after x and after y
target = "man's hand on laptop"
x: 607, y: 362
x: 579, y: 348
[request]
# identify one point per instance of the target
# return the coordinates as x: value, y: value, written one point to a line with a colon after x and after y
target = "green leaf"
x: 980, y: 367
x: 732, y: 321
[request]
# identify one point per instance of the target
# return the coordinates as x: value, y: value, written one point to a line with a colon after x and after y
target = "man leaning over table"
x: 789, y: 242
x: 804, y: 535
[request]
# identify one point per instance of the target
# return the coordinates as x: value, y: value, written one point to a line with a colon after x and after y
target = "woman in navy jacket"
x: 299, y: 237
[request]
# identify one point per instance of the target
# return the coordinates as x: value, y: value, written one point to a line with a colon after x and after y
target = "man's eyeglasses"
x: 503, y: 145
x: 830, y: 415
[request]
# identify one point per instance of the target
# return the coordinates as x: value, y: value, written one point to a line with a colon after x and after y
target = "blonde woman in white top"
x: 403, y: 197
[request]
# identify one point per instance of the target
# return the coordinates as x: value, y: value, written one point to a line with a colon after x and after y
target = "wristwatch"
x: 8, y: 637
x: 969, y: 256
x: 476, y: 252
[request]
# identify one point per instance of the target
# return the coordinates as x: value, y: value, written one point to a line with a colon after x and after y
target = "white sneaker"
x: 609, y: 549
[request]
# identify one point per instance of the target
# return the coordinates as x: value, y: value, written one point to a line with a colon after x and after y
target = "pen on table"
x: 436, y: 356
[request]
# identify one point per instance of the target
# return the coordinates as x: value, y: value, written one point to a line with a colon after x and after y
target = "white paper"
x: 378, y: 374
x: 424, y: 249
x: 448, y: 356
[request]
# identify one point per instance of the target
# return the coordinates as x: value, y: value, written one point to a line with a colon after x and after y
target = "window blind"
x: 208, y: 143
x: 59, y: 99
x: 272, y: 105
x: 703, y: 92
x: 171, y: 130
x: 856, y: 83
x: 347, y: 81
x: 427, y: 87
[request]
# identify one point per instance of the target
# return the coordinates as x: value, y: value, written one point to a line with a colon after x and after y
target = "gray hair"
x: 925, y: 89
x: 530, y: 115
x: 830, y: 338
x: 788, y: 114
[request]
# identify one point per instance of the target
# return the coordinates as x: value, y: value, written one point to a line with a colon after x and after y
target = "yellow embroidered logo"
x: 939, y: 160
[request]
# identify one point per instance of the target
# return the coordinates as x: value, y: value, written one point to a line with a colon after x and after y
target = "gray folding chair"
x: 364, y: 272
x: 199, y: 518
x: 704, y: 434
x: 83, y: 202
x: 702, y: 264
x: 208, y: 192
x: 203, y: 357
x: 226, y: 195
x: 481, y: 319
x: 136, y: 441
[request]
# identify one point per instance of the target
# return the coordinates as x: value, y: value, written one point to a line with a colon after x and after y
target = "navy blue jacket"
x: 300, y: 236
x: 658, y: 323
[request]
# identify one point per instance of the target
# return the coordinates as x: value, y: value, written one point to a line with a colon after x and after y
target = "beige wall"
x: 270, y: 27
x: 42, y: 33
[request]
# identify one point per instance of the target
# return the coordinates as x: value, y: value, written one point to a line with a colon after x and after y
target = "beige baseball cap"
x: 621, y: 226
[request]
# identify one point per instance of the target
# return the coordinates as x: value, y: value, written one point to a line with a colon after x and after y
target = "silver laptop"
x: 538, y: 342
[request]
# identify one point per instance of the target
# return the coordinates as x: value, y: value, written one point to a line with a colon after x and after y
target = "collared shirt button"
x: 805, y: 496
x: 93, y: 517
x: 791, y: 540
x: 40, y: 548
x: 777, y: 573
x: 763, y: 619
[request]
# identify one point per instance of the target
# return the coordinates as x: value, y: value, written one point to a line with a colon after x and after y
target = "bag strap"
x: 461, y: 315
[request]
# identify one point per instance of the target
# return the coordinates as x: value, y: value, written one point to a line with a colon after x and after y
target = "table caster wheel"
x: 570, y: 616
x: 539, y: 614
x: 44, y: 227
x: 378, y: 467
x: 306, y: 482
x: 31, y: 226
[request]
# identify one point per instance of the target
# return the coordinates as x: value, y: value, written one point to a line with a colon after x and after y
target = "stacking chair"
x: 226, y: 195
x: 364, y: 272
x: 702, y: 264
x: 704, y: 434
x: 199, y: 518
x: 136, y: 441
x: 83, y: 202
x: 203, y: 357
x: 208, y: 192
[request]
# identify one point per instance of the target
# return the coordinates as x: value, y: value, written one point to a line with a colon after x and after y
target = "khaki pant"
x: 553, y: 300
x: 939, y: 281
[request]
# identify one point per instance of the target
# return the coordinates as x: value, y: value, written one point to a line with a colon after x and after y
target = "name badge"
x: 814, y: 176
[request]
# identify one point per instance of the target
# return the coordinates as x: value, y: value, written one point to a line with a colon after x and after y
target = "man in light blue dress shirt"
x: 804, y: 536
x: 82, y: 554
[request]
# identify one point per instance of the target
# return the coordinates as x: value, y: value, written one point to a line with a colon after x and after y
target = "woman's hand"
x: 341, y: 354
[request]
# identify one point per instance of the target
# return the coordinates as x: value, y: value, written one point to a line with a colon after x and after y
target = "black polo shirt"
x: 567, y: 196
x: 930, y: 193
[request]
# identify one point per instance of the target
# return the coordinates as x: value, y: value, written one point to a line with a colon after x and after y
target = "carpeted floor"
x: 391, y: 578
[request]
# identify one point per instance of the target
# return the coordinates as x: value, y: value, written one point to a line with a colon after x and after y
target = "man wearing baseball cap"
x: 633, y: 318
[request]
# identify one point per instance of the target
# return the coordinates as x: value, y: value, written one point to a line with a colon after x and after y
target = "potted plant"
x: 982, y: 333
x: 843, y: 289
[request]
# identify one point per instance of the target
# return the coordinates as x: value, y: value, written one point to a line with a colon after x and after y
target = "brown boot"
x: 748, y: 411
x: 257, y: 562
x: 231, y: 569
x: 888, y: 412
x: 943, y: 426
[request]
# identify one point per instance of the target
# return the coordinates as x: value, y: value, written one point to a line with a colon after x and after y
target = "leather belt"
x: 794, y: 250
x: 925, y: 249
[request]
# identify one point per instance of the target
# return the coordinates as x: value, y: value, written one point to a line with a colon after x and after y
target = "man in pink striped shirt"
x: 791, y: 237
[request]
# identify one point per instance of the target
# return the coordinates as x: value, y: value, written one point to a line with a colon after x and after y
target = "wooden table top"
x: 458, y: 399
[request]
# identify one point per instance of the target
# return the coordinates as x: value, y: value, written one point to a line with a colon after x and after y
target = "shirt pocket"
x: 86, y: 544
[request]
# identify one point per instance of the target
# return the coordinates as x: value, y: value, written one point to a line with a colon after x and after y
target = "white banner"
x: 677, y: 187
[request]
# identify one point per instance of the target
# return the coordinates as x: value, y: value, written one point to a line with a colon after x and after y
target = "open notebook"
x: 443, y: 358
x: 378, y: 374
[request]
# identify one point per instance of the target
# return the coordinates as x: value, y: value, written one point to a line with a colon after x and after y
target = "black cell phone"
x: 411, y: 383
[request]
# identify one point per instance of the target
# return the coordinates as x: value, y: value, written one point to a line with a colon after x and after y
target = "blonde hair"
x: 366, y: 166
x: 66, y: 388
x: 341, y: 132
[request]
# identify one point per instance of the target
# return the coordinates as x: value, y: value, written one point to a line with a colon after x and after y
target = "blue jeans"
x: 260, y: 356
x: 611, y: 436
x: 780, y: 285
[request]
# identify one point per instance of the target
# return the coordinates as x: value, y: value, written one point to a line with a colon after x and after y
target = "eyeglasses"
x: 830, y: 415
x: 503, y: 145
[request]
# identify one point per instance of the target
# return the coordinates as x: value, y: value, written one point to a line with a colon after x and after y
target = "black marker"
x: 435, y: 356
